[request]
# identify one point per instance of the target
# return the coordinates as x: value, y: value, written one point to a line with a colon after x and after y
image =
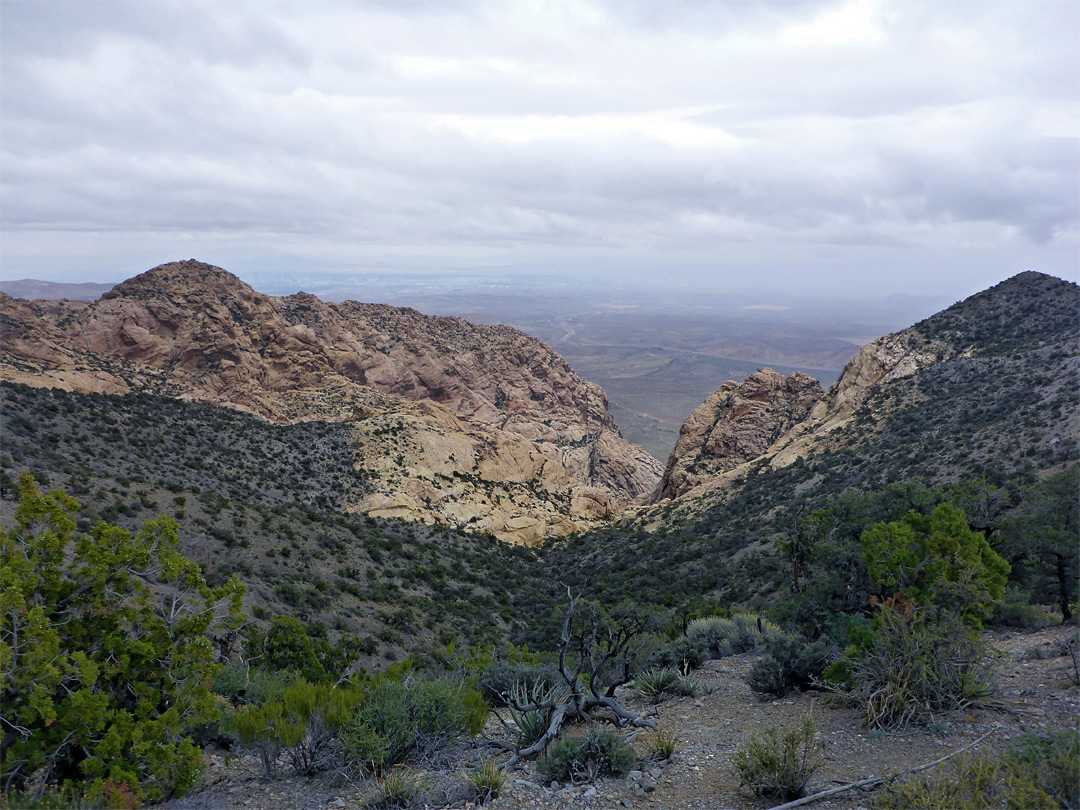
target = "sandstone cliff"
x: 194, y: 331
x: 781, y: 419
x: 735, y: 425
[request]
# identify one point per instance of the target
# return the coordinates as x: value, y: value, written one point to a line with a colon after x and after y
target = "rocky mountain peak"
x: 1029, y: 318
x: 735, y: 424
x: 181, y: 280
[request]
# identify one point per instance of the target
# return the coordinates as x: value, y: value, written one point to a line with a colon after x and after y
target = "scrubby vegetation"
x: 582, y: 758
x: 103, y: 683
x: 779, y: 761
x: 372, y: 646
x: 1039, y: 772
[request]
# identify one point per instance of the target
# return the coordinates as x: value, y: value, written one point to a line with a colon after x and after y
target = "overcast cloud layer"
x: 814, y: 144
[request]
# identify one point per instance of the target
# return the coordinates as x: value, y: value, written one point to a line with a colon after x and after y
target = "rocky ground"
x: 1034, y: 694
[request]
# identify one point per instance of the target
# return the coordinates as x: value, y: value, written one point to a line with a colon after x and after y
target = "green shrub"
x: 253, y: 728
x: 1016, y: 611
x: 684, y: 654
x: 659, y: 745
x: 583, y: 758
x: 1053, y: 759
x: 303, y: 721
x: 743, y: 632
x: 792, y: 663
x: 938, y: 561
x: 779, y: 762
x: 398, y: 717
x: 231, y: 681
x: 1037, y: 772
x: 102, y: 680
x: 1019, y: 616
x: 914, y: 668
x: 264, y: 686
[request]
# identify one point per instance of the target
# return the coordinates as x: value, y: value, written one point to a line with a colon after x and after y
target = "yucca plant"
x: 398, y: 790
x: 660, y: 745
x: 653, y: 684
x: 486, y: 780
x: 526, y: 698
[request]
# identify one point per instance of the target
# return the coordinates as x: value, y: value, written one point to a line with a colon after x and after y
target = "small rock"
x: 338, y: 802
x: 236, y: 789
x: 554, y: 784
x: 648, y: 784
x: 656, y: 773
x: 590, y: 793
x: 634, y: 776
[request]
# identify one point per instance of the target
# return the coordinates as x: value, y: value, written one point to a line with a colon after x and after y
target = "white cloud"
x: 707, y: 131
x: 853, y: 22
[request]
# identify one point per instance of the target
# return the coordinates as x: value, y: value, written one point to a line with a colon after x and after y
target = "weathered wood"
x: 874, y: 781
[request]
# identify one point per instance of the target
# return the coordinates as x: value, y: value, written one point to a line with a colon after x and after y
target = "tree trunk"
x: 1063, y: 589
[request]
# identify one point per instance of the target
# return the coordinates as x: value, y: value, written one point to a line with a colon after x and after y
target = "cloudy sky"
x: 821, y: 145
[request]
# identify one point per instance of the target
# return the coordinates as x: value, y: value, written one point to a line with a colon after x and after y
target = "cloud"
x: 702, y: 130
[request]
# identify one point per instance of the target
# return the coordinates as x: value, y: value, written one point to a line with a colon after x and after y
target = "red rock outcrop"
x: 194, y: 331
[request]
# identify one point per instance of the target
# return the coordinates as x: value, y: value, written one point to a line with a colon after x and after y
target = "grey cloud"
x: 615, y: 127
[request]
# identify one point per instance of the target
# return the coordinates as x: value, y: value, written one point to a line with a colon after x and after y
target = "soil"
x: 1034, y: 694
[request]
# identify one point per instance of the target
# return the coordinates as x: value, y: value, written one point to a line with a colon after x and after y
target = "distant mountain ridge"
x: 34, y: 289
x: 451, y: 416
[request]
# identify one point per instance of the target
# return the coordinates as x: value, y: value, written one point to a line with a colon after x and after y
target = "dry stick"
x: 874, y: 781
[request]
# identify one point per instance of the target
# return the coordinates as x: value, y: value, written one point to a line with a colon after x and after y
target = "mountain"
x: 989, y: 382
x: 736, y: 425
x: 460, y: 423
x: 974, y: 404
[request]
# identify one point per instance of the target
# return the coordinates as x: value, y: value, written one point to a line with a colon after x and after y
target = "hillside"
x: 266, y: 502
x: 986, y: 391
x: 990, y: 382
x: 483, y: 425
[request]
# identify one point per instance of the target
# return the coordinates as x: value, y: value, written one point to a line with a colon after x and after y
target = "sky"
x: 806, y: 146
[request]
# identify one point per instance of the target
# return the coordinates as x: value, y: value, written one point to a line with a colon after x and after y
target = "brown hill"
x: 430, y: 397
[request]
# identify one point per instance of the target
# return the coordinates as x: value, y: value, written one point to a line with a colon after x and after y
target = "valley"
x: 401, y: 499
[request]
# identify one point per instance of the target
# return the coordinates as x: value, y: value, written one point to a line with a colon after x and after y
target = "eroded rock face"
x: 195, y: 331
x: 736, y: 424
x: 887, y: 358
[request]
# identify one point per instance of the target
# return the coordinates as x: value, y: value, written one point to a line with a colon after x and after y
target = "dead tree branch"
x: 877, y: 781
